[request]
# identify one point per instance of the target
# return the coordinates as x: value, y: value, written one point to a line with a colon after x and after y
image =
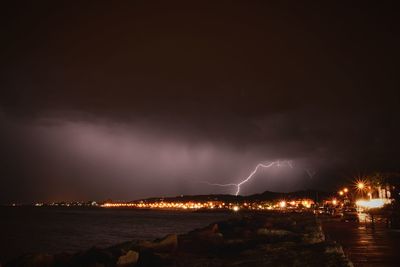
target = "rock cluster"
x: 273, y: 239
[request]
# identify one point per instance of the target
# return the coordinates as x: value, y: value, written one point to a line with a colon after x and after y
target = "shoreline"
x: 251, y: 239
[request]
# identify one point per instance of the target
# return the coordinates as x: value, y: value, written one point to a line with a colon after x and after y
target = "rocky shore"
x: 266, y: 239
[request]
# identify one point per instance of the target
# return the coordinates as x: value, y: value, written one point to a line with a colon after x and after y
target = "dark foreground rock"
x: 273, y: 239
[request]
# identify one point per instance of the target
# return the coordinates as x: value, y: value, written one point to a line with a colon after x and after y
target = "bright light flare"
x: 282, y: 204
x: 236, y: 208
x: 372, y: 203
x: 306, y: 204
x: 360, y: 185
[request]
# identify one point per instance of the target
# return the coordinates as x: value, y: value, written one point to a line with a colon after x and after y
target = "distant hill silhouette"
x: 265, y: 196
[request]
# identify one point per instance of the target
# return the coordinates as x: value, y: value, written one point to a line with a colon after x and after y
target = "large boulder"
x: 273, y: 232
x: 210, y: 233
x: 334, y: 248
x: 93, y: 257
x: 313, y: 235
x: 204, y: 240
x: 207, y: 232
x: 166, y: 244
x: 34, y: 260
x: 129, y: 259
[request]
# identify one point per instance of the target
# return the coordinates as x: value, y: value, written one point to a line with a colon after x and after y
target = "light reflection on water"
x: 363, y: 217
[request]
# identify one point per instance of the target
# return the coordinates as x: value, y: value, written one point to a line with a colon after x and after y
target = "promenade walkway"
x: 366, y: 244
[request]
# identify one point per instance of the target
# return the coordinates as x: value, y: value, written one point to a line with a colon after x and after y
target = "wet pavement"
x: 366, y: 243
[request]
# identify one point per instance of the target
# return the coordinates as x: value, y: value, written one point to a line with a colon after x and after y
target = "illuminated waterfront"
x: 215, y: 205
x: 358, y: 218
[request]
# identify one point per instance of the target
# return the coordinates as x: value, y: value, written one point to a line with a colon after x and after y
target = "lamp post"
x: 361, y: 186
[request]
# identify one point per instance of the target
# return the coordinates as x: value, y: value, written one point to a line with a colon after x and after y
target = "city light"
x: 345, y: 190
x: 306, y: 204
x: 372, y: 203
x: 360, y: 185
x: 295, y: 204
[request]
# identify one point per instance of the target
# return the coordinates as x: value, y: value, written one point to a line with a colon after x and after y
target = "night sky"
x: 110, y: 99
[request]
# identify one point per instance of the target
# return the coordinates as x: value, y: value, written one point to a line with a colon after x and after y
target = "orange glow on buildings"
x: 192, y: 205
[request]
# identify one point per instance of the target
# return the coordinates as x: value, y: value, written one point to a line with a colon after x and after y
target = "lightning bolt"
x: 222, y: 185
x: 251, y: 175
x: 289, y: 162
x: 310, y: 173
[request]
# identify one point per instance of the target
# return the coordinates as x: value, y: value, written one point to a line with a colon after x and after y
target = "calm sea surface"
x: 39, y: 229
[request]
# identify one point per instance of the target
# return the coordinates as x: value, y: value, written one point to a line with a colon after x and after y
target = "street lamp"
x: 360, y: 185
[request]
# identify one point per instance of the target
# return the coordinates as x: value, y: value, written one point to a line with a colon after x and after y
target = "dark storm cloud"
x: 83, y: 158
x: 93, y: 93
